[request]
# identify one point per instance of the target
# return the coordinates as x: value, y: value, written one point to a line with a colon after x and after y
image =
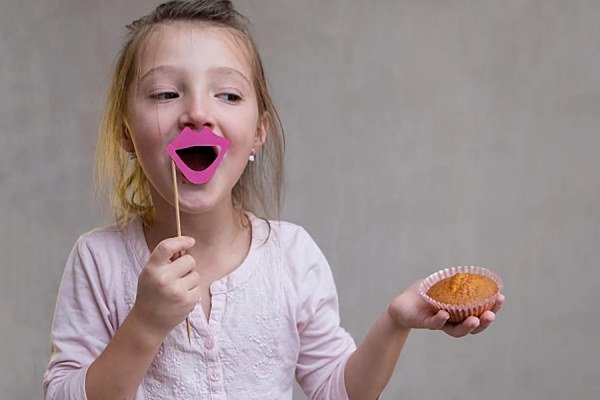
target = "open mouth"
x: 198, y: 158
x: 198, y: 154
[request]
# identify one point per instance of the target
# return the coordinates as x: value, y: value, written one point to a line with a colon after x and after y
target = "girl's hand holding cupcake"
x: 465, y: 301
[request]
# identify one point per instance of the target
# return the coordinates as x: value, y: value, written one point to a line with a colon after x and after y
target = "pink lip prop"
x: 189, y: 138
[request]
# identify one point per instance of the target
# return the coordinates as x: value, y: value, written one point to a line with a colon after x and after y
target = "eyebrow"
x: 160, y: 68
x: 229, y: 71
x: 216, y: 70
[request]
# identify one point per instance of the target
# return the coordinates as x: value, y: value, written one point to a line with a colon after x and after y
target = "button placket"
x: 209, y: 343
x: 215, y: 376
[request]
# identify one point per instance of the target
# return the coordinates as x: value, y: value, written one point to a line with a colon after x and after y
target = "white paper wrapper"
x: 460, y: 312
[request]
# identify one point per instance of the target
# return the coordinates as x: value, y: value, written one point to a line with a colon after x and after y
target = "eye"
x: 165, y: 96
x: 230, y: 97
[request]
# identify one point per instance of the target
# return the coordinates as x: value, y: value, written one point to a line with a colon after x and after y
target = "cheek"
x: 149, y: 135
x: 150, y: 123
x: 241, y: 145
x: 243, y: 130
x: 239, y: 150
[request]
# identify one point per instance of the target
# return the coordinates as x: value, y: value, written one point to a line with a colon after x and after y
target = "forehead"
x: 195, y: 46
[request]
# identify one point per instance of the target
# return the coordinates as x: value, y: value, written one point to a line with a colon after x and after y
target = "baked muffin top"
x: 463, y: 288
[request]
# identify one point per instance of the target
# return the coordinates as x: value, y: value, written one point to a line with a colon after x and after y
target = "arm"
x: 370, y: 367
x: 90, y: 360
x: 119, y: 370
x: 324, y: 345
x: 329, y: 367
x: 82, y: 325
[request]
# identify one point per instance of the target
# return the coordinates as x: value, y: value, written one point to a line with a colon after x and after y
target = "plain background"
x: 421, y: 135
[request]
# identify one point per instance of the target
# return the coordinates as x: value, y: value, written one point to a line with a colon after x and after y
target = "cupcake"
x: 462, y: 291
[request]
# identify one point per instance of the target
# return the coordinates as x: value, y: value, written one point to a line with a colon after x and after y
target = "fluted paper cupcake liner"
x: 460, y: 312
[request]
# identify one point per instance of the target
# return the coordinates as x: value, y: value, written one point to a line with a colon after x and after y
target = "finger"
x: 167, y: 275
x: 194, y: 296
x: 177, y: 255
x: 180, y: 267
x: 437, y: 321
x: 486, y: 320
x: 190, y: 281
x: 499, y: 303
x: 416, y: 284
x: 462, y: 329
x: 165, y: 250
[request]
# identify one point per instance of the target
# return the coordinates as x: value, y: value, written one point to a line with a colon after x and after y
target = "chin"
x: 200, y: 202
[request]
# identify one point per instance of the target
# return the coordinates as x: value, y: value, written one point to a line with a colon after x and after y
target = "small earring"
x: 132, y: 156
x: 251, y: 158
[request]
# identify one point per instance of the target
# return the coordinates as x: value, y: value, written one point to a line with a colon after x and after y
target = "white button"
x: 209, y: 343
x: 214, y: 377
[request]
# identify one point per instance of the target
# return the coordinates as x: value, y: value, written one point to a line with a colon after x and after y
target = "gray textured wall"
x: 421, y: 135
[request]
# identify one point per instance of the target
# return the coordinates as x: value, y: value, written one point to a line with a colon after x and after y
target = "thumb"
x: 170, y: 249
x: 436, y: 321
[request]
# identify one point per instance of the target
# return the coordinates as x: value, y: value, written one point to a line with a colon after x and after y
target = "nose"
x: 197, y: 114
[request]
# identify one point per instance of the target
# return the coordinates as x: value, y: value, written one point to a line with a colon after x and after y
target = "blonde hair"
x: 260, y: 188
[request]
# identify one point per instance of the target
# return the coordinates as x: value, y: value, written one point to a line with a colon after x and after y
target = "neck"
x: 215, y: 231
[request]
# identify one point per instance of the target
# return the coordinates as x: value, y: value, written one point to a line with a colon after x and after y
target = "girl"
x: 259, y: 294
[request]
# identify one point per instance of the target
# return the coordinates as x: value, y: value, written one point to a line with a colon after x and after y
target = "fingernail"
x: 191, y: 240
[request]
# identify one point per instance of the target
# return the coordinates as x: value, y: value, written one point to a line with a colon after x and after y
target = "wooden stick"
x: 178, y: 219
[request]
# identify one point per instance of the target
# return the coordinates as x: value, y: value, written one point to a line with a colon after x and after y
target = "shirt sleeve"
x: 81, y: 327
x: 324, y: 345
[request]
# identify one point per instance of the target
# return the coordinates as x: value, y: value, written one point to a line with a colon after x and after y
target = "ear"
x: 261, y: 132
x: 126, y: 141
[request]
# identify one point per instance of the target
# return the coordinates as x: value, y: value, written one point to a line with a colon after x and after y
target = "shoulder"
x: 102, y: 235
x: 289, y: 237
x: 105, y: 248
x: 103, y: 239
x: 295, y: 248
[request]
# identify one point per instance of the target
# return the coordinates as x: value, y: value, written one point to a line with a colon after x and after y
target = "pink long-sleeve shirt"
x: 272, y: 319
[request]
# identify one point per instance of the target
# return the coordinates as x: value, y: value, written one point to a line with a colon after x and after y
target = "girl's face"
x: 193, y: 76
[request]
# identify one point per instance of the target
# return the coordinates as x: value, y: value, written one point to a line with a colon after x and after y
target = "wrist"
x: 394, y: 317
x: 144, y: 336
